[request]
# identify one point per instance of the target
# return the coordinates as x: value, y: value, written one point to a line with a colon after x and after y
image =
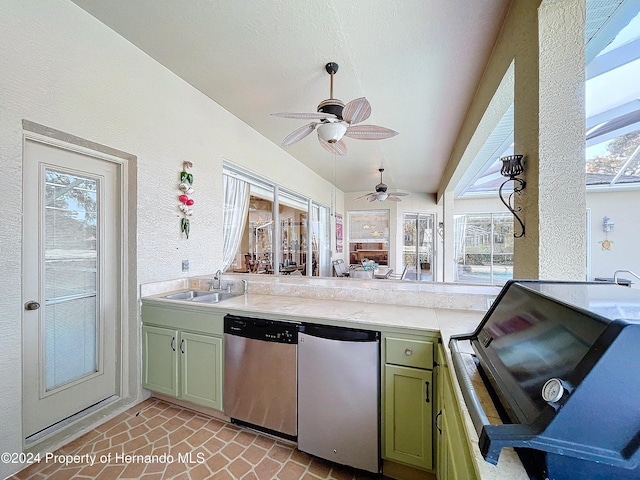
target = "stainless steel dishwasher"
x: 260, y: 374
x: 339, y: 395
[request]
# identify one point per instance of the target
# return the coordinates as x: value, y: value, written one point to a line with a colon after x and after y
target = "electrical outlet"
x: 185, y: 265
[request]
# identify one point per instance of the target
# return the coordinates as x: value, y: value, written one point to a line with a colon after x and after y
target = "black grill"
x: 562, y: 360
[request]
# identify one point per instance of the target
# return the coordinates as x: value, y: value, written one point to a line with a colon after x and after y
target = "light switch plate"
x: 185, y: 265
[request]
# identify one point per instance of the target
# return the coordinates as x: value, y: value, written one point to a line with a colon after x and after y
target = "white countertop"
x: 445, y: 321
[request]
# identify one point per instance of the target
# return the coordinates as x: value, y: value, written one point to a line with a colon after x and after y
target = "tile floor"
x: 156, y: 441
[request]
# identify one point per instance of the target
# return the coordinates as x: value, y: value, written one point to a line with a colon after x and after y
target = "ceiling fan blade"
x: 305, y: 116
x: 393, y: 198
x: 362, y: 196
x: 337, y: 148
x: 398, y: 194
x: 369, y: 132
x: 372, y: 197
x: 356, y: 111
x: 298, y: 134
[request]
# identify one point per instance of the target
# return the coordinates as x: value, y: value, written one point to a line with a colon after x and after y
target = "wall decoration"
x: 186, y: 187
x: 338, y: 232
x: 606, y: 244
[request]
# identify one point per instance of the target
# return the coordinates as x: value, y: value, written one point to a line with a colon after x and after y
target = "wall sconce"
x: 607, y: 224
x: 512, y: 167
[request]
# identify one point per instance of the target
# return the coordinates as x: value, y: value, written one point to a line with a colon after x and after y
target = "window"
x: 418, y: 237
x: 369, y: 236
x: 484, y: 248
x: 267, y: 228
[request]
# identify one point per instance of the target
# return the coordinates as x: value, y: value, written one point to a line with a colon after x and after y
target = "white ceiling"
x: 418, y: 63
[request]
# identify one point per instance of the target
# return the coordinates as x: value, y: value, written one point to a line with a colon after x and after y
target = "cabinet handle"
x: 182, y: 346
x: 436, y: 422
x: 173, y: 343
x: 426, y: 392
x: 408, y: 352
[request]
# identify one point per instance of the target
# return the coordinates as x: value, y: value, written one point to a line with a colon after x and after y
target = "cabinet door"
x: 459, y: 464
x: 160, y: 360
x: 408, y: 415
x: 201, y: 369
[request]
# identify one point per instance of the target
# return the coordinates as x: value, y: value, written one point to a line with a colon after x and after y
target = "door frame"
x: 126, y: 164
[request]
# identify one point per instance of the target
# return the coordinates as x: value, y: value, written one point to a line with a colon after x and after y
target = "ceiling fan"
x: 337, y: 120
x: 381, y: 192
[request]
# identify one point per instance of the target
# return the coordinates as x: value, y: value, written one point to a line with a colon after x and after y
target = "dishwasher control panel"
x: 261, y: 329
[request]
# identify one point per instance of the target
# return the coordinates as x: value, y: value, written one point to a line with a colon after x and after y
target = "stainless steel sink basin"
x: 188, y: 295
x: 214, y: 297
x: 201, y: 296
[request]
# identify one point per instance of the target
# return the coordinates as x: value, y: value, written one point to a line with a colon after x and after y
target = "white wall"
x: 622, y: 208
x: 63, y: 69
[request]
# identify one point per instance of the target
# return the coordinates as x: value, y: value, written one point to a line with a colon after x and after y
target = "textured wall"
x: 63, y: 69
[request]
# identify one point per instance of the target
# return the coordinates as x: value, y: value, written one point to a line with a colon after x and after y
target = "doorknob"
x: 31, y: 305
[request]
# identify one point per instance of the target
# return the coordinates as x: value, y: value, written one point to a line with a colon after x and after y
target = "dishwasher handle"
x: 340, y: 333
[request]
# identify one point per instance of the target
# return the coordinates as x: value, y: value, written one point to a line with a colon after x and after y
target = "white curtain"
x: 236, y: 209
x: 460, y: 233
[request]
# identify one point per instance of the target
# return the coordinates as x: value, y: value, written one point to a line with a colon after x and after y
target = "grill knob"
x: 552, y: 390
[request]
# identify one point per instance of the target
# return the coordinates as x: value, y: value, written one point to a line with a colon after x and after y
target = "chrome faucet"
x: 245, y: 285
x: 218, y: 277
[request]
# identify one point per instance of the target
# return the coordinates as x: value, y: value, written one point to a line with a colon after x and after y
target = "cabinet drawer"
x: 409, y: 353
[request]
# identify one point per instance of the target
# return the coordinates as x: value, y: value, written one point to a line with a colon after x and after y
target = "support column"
x: 448, y: 243
x: 549, y: 130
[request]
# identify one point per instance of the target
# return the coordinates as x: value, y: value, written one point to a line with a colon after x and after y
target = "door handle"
x: 436, y: 422
x: 426, y: 392
x: 31, y: 305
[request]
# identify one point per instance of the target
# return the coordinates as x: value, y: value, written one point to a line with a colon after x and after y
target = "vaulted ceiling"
x: 417, y: 62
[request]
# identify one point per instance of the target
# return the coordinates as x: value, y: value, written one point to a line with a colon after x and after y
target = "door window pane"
x: 369, y: 236
x: 485, y: 251
x: 71, y: 273
x: 418, y: 237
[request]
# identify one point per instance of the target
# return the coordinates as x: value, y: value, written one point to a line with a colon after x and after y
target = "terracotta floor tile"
x: 264, y: 442
x: 232, y: 450
x: 197, y: 422
x: 203, y: 448
x: 239, y: 467
x: 245, y: 438
x: 254, y: 454
x: 217, y: 462
x: 201, y: 472
x: 267, y: 469
x: 226, y: 434
x: 280, y: 453
x: 133, y: 470
x: 213, y: 445
x: 199, y: 437
x: 172, y: 424
x: 291, y: 471
x: 319, y: 468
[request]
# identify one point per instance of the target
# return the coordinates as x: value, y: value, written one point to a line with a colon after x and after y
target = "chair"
x: 339, y: 268
x: 400, y: 276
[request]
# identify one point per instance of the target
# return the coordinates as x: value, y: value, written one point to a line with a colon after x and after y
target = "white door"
x: 71, y: 282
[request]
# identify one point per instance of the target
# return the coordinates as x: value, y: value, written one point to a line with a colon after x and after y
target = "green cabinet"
x: 454, y: 461
x: 160, y: 360
x: 182, y: 355
x: 408, y: 401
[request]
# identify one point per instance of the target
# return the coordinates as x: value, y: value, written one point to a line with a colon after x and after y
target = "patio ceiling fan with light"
x: 381, y: 193
x: 336, y: 120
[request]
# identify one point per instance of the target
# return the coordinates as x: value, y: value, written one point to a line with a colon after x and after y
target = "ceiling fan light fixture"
x: 332, y: 132
x: 382, y: 196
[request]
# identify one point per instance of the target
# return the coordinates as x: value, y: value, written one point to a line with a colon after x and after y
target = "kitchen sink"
x: 188, y: 295
x: 214, y: 297
x: 201, y: 296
